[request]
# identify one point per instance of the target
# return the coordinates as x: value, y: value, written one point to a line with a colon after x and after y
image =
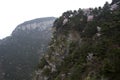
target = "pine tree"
x: 115, y: 1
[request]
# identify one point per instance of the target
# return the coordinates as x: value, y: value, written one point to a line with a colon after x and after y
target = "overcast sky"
x: 14, y: 12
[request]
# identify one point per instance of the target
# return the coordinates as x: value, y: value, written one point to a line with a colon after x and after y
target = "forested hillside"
x: 85, y: 46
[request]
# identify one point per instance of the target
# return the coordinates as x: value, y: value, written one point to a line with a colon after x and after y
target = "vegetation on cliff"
x: 85, y: 46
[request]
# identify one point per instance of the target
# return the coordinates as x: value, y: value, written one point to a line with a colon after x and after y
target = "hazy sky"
x: 14, y: 12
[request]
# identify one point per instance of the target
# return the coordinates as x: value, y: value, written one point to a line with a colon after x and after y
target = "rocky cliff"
x: 85, y: 46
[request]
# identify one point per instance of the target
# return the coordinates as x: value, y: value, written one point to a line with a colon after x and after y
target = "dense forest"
x: 85, y: 46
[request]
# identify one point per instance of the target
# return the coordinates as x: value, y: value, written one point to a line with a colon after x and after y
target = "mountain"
x: 85, y: 46
x: 19, y: 53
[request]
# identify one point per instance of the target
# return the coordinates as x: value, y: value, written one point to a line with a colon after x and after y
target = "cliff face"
x: 19, y: 53
x: 39, y: 24
x: 85, y: 46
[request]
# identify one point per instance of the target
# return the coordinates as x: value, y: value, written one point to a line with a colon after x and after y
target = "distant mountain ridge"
x: 19, y: 53
x: 39, y: 24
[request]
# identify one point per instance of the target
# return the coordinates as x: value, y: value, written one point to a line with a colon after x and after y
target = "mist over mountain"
x: 83, y: 44
x: 20, y: 52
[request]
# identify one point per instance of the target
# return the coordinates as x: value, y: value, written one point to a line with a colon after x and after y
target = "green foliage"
x: 103, y: 50
x: 46, y: 71
x: 42, y: 63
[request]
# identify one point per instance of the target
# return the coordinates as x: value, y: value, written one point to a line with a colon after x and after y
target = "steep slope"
x: 19, y: 52
x: 85, y: 46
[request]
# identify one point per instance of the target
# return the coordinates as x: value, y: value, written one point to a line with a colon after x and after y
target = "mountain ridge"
x: 19, y: 52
